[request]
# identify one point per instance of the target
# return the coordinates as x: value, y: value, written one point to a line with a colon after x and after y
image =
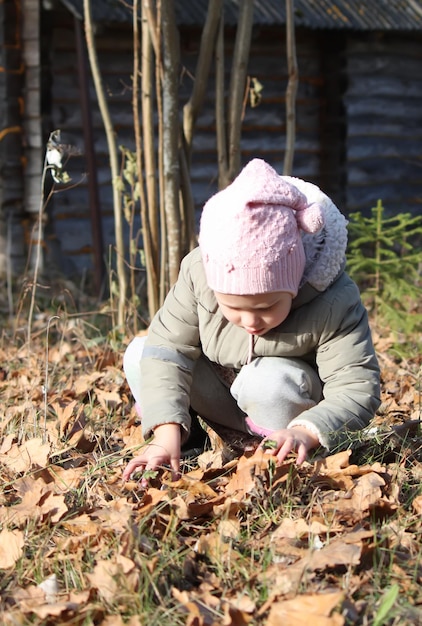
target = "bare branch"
x: 220, y: 116
x: 111, y: 142
x: 291, y: 91
x: 237, y: 83
x: 194, y: 104
x: 171, y: 55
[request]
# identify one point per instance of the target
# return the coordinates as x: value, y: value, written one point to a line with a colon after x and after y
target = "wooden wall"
x: 70, y: 241
x: 11, y: 133
x: 263, y: 126
x: 21, y: 158
x: 358, y: 120
x: 383, y: 103
x: 32, y: 109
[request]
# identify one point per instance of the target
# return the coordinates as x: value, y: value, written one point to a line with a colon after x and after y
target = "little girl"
x: 263, y: 333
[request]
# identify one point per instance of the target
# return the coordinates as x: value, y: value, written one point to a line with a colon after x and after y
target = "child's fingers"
x: 175, y: 468
x: 142, y: 464
x: 131, y: 467
x: 302, y: 453
x: 284, y: 442
x: 288, y: 445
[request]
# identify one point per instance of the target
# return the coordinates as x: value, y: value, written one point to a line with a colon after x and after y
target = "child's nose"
x: 250, y: 319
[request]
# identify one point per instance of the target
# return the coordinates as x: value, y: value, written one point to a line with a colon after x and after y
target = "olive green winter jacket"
x: 327, y: 327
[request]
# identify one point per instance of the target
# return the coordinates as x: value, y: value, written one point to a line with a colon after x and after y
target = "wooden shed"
x: 359, y: 108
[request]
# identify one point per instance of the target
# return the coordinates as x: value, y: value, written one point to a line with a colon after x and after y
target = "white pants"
x: 265, y: 396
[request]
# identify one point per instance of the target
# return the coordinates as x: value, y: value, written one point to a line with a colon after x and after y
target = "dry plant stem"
x: 9, y: 267
x: 379, y: 211
x: 291, y: 89
x: 110, y: 288
x: 38, y: 252
x: 111, y: 142
x: 45, y: 388
x: 245, y: 97
x: 133, y: 241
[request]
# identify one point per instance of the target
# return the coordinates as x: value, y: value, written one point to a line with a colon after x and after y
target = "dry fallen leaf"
x: 297, y: 528
x: 307, y: 524
x: 417, y: 505
x: 198, y: 614
x: 64, y: 414
x: 108, y: 399
x: 11, y: 547
x: 315, y: 609
x: 337, y: 552
x: 234, y: 616
x: 261, y: 465
x: 30, y: 454
x: 33, y: 600
x: 108, y: 575
x: 84, y: 383
x: 38, y: 501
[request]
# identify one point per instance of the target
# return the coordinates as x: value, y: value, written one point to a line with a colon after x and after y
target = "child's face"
x: 257, y: 314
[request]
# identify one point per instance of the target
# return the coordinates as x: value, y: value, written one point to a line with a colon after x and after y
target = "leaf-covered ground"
x: 234, y: 541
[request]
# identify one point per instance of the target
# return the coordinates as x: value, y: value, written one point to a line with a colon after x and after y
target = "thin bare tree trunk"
x: 155, y: 24
x: 291, y: 91
x: 189, y: 240
x: 202, y: 71
x: 238, y: 83
x: 171, y: 55
x: 220, y: 109
x: 151, y: 19
x: 191, y: 111
x: 149, y: 211
x: 149, y: 144
x: 167, y: 159
x: 111, y: 142
x: 229, y: 127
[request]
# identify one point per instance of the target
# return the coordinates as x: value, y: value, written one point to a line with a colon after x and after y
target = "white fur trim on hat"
x: 326, y: 250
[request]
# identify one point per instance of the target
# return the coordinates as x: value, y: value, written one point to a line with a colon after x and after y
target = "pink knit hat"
x: 249, y: 233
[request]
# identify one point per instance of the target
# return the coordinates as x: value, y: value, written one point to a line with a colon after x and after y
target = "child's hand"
x: 164, y: 449
x: 281, y: 442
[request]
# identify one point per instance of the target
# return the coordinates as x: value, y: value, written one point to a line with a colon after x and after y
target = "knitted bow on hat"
x: 249, y: 233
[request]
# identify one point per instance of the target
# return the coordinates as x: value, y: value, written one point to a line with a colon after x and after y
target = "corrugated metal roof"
x: 361, y: 14
x: 317, y: 14
x: 103, y: 11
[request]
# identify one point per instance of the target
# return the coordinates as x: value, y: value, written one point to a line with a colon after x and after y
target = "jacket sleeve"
x: 169, y: 355
x: 349, y: 370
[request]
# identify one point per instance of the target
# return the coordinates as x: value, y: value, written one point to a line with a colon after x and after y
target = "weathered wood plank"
x: 372, y: 106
